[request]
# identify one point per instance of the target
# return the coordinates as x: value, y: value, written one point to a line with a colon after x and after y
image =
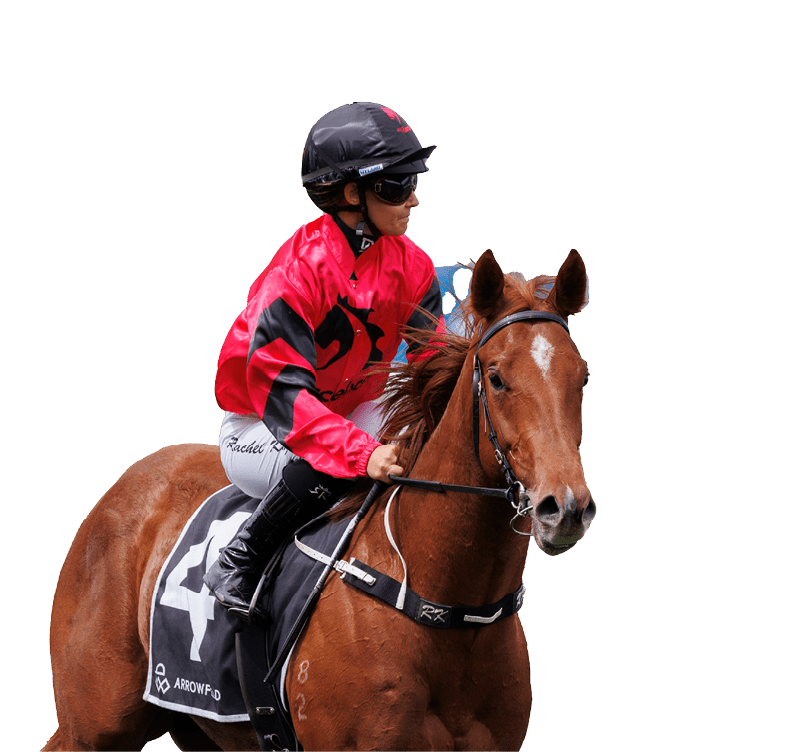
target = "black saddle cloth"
x: 192, y: 665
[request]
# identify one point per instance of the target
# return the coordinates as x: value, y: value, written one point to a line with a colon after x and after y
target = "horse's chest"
x: 366, y: 676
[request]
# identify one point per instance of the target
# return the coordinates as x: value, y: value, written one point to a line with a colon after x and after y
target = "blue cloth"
x: 452, y: 317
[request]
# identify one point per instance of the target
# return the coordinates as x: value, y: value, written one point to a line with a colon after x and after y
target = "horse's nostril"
x: 589, y: 512
x: 548, y: 511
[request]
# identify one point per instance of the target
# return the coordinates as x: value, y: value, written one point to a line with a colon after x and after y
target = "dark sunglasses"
x: 395, y: 191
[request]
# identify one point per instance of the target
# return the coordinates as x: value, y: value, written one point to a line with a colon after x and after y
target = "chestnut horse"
x: 363, y: 675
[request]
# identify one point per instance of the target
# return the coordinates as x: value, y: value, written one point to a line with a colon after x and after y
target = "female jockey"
x: 295, y: 374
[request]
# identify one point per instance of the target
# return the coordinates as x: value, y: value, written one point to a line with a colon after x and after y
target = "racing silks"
x: 301, y: 355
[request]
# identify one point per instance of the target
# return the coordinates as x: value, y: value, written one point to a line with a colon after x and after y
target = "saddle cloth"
x: 192, y: 663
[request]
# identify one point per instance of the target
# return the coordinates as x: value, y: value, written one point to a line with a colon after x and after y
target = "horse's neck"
x: 458, y: 547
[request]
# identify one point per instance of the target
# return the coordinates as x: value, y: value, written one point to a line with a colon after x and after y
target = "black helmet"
x: 357, y: 143
x: 360, y: 140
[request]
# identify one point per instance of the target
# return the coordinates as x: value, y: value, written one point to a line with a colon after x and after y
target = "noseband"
x: 521, y: 506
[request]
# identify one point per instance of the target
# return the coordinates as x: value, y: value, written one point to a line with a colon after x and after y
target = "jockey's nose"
x: 570, y: 516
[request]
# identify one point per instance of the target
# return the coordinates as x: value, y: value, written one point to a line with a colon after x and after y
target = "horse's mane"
x: 417, y: 392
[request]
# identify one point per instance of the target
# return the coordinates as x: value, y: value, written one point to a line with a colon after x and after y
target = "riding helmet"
x: 358, y: 141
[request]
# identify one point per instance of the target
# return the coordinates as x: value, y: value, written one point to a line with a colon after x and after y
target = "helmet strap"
x: 362, y: 196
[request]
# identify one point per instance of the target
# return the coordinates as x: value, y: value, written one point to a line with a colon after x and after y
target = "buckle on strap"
x: 340, y: 566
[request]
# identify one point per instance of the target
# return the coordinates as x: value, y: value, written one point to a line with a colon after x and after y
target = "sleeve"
x: 282, y: 384
x: 428, y: 312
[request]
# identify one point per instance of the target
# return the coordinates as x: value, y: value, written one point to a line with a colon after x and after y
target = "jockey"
x: 296, y: 374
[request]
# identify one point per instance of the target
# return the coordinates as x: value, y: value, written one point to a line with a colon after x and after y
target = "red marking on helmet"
x: 392, y: 114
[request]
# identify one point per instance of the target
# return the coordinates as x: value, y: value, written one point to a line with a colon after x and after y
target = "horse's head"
x: 533, y: 377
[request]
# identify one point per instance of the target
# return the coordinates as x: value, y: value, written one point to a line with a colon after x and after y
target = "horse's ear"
x: 486, y: 288
x: 570, y: 292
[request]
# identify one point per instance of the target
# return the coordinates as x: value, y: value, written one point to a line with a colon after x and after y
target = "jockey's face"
x: 390, y: 219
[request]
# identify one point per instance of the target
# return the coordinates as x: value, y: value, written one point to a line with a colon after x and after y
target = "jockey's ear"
x: 486, y: 288
x: 570, y: 292
x: 351, y: 194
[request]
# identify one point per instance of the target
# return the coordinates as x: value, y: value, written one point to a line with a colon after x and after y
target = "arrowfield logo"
x: 162, y: 683
x: 183, y: 685
x: 197, y: 688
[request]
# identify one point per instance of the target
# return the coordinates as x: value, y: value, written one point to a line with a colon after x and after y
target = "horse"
x: 363, y: 675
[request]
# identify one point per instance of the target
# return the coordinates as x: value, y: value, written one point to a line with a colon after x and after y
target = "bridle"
x: 515, y: 493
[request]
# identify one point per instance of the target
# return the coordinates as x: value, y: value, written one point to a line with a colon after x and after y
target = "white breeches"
x: 254, y: 459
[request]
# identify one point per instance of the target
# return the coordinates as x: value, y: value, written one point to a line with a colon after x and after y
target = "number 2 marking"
x: 301, y: 716
x: 302, y: 677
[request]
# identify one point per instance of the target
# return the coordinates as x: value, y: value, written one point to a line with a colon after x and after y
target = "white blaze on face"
x: 542, y: 352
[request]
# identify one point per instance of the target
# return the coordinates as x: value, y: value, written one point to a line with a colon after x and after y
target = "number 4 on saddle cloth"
x: 192, y: 663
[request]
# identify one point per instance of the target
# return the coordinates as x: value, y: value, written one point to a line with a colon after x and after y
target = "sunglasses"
x: 395, y: 191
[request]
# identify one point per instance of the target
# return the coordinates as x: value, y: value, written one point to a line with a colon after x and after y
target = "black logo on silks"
x: 340, y: 325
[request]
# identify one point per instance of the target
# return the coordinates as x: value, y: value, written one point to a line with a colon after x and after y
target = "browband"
x: 521, y: 316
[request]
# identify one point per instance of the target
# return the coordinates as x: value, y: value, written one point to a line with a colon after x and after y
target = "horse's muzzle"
x: 561, y: 520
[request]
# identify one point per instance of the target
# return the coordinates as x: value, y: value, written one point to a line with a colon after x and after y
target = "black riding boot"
x: 300, y: 496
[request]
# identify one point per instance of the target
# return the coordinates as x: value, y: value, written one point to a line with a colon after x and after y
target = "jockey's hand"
x: 383, y: 463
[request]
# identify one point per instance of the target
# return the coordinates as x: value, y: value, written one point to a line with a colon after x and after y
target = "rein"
x: 522, y: 506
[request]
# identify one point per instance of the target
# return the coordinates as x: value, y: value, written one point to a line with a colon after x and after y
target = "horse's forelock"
x: 526, y: 295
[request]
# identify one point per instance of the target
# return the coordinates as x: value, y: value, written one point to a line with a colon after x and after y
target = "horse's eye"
x: 586, y: 380
x: 496, y: 381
